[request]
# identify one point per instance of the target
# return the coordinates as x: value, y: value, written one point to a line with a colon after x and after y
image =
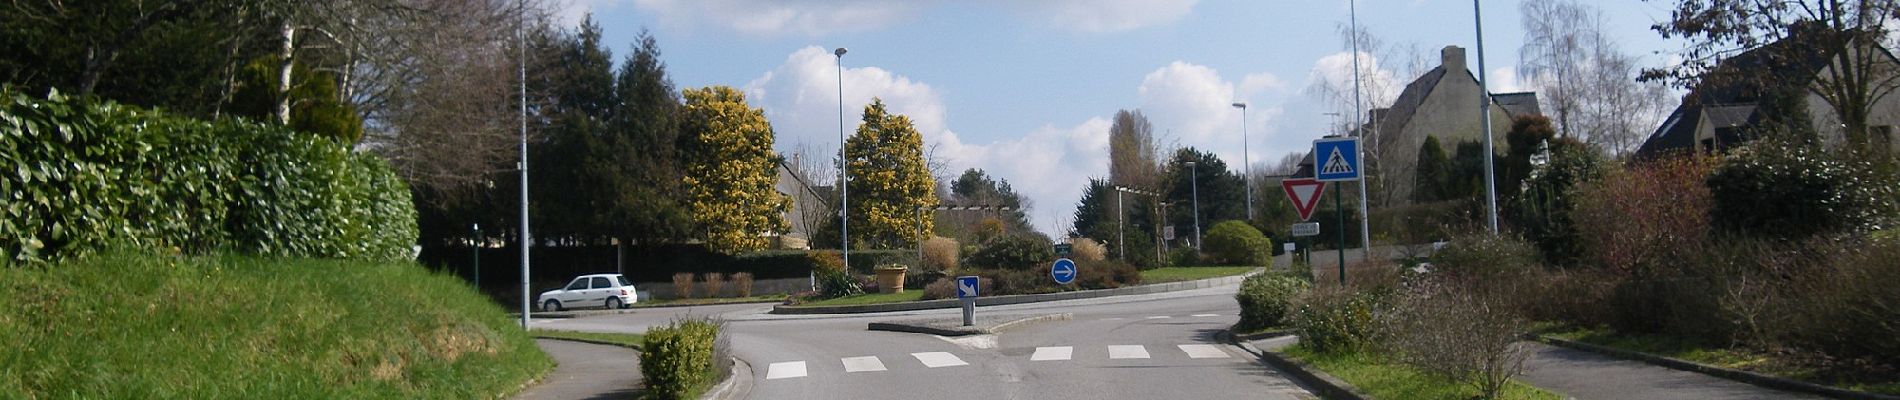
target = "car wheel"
x: 613, y: 303
x: 551, y: 306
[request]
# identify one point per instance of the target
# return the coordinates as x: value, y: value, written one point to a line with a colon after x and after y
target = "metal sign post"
x: 1341, y: 164
x: 966, y: 291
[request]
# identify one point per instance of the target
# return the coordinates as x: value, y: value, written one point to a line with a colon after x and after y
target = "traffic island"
x: 984, y: 325
x: 1017, y: 299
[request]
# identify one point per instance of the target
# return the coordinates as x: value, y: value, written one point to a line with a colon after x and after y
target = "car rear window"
x: 622, y: 279
x: 601, y: 283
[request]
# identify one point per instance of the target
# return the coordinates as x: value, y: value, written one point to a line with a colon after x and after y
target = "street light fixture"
x: 844, y: 170
x: 1194, y: 177
x: 521, y: 46
x: 1245, y: 158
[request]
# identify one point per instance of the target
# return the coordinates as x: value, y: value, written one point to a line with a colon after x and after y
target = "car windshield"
x: 622, y: 279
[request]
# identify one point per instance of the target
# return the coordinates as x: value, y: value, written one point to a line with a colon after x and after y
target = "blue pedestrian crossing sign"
x: 1064, y: 271
x: 1336, y: 159
x: 966, y: 287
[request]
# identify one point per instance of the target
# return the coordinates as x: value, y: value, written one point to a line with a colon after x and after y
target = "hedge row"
x: 682, y: 359
x: 82, y: 174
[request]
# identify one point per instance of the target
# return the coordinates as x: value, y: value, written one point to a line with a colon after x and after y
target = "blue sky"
x: 1025, y: 89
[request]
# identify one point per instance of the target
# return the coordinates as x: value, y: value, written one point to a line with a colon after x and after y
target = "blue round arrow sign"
x: 1063, y: 271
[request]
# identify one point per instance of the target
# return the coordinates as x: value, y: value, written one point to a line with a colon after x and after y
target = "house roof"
x: 1520, y: 103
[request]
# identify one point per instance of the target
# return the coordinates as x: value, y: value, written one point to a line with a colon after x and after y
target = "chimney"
x: 1453, y: 58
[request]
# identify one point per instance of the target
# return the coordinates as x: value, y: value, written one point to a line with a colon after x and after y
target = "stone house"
x: 1443, y: 103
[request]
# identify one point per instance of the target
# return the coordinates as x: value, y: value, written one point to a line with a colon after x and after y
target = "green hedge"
x: 82, y: 174
x: 1233, y: 242
x: 1266, y: 299
x: 680, y: 360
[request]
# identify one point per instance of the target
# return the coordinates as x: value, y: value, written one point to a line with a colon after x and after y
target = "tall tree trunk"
x: 286, y: 56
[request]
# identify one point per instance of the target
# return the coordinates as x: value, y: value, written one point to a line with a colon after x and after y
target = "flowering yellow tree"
x: 731, y: 171
x: 889, y: 181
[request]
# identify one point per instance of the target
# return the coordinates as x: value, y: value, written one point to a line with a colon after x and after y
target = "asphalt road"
x: 1131, y: 347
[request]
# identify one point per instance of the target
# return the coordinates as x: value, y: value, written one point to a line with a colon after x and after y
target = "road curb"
x: 1325, y: 385
x: 738, y: 384
x: 1771, y: 382
x: 587, y: 341
x: 1020, y: 298
x: 923, y: 326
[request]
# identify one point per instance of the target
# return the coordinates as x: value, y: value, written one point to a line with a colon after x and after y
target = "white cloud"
x: 1258, y: 83
x: 1109, y: 15
x: 1505, y: 80
x: 1379, y: 86
x: 1049, y: 165
x: 766, y: 17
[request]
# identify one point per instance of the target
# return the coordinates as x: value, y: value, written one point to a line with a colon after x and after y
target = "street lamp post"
x: 521, y: 47
x: 844, y: 170
x: 1194, y: 175
x: 1484, y: 98
x: 1245, y: 159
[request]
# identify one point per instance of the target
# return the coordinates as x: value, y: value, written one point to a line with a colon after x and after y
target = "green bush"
x: 680, y: 360
x: 835, y: 284
x: 1789, y: 191
x: 1338, y: 321
x: 82, y: 175
x: 1485, y: 256
x: 1543, y: 209
x: 1265, y: 300
x: 1234, y: 242
x: 1105, y: 275
x: 1015, y: 251
x: 1184, y: 256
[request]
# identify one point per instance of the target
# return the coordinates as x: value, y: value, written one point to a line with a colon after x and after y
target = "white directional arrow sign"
x: 966, y: 286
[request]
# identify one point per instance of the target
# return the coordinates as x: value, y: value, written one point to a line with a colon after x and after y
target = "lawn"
x: 1178, y: 274
x: 630, y: 340
x: 1383, y: 379
x: 1787, y: 365
x: 871, y: 298
x: 135, y: 325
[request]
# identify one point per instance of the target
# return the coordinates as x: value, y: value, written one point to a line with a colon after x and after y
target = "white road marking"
x: 863, y: 364
x: 1160, y: 317
x: 1052, y: 353
x: 1203, y: 351
x: 782, y: 370
x: 938, y: 359
x: 1121, y: 352
x: 1205, y: 315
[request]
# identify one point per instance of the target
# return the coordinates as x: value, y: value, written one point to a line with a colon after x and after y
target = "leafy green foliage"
x: 1096, y: 216
x: 1234, y: 242
x: 85, y: 175
x: 1790, y: 191
x: 1024, y: 251
x: 680, y: 360
x: 315, y: 105
x: 889, y: 181
x: 1339, y: 321
x: 1543, y: 208
x: 1223, y: 195
x: 1482, y: 256
x: 732, y: 171
x: 838, y: 283
x: 1429, y: 184
x: 1266, y: 300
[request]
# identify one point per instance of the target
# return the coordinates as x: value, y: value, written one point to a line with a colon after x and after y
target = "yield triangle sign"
x: 1305, y: 195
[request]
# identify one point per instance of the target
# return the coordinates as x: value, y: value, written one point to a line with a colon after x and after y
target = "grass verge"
x: 1384, y: 379
x: 134, y: 325
x: 1178, y: 274
x: 628, y: 340
x: 873, y: 298
x: 1786, y: 364
x: 706, y: 302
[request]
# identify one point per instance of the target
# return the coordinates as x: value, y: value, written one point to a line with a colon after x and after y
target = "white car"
x: 610, y: 291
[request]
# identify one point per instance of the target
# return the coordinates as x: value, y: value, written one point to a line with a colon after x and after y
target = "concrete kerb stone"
x: 1018, y: 299
x: 1321, y: 383
x: 737, y: 385
x: 952, y: 327
x: 1772, y: 382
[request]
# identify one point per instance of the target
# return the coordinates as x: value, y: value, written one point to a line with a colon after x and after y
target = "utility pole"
x: 1484, y: 98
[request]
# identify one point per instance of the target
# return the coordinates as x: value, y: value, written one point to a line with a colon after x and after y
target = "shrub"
x: 1780, y: 190
x: 826, y: 261
x: 83, y: 175
x: 1847, y: 307
x: 1184, y: 257
x: 683, y: 359
x: 1235, y: 243
x: 1105, y: 275
x: 1643, y: 215
x: 1461, y: 330
x: 1338, y: 321
x: 1016, y: 251
x: 683, y: 285
x: 999, y: 282
x: 946, y: 288
x: 1265, y: 300
x: 1485, y: 256
x: 713, y: 281
x: 1087, y: 250
x: 743, y: 283
x: 1543, y: 209
x: 835, y: 284
x: 940, y: 255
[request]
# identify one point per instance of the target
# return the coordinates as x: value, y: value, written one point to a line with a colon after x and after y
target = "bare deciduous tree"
x: 1383, y: 69
x: 1584, y: 80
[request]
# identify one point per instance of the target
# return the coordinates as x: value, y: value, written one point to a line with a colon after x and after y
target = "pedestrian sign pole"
x: 1341, y: 164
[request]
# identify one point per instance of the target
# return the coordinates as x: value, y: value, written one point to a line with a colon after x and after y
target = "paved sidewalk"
x: 586, y: 371
x: 1586, y: 376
